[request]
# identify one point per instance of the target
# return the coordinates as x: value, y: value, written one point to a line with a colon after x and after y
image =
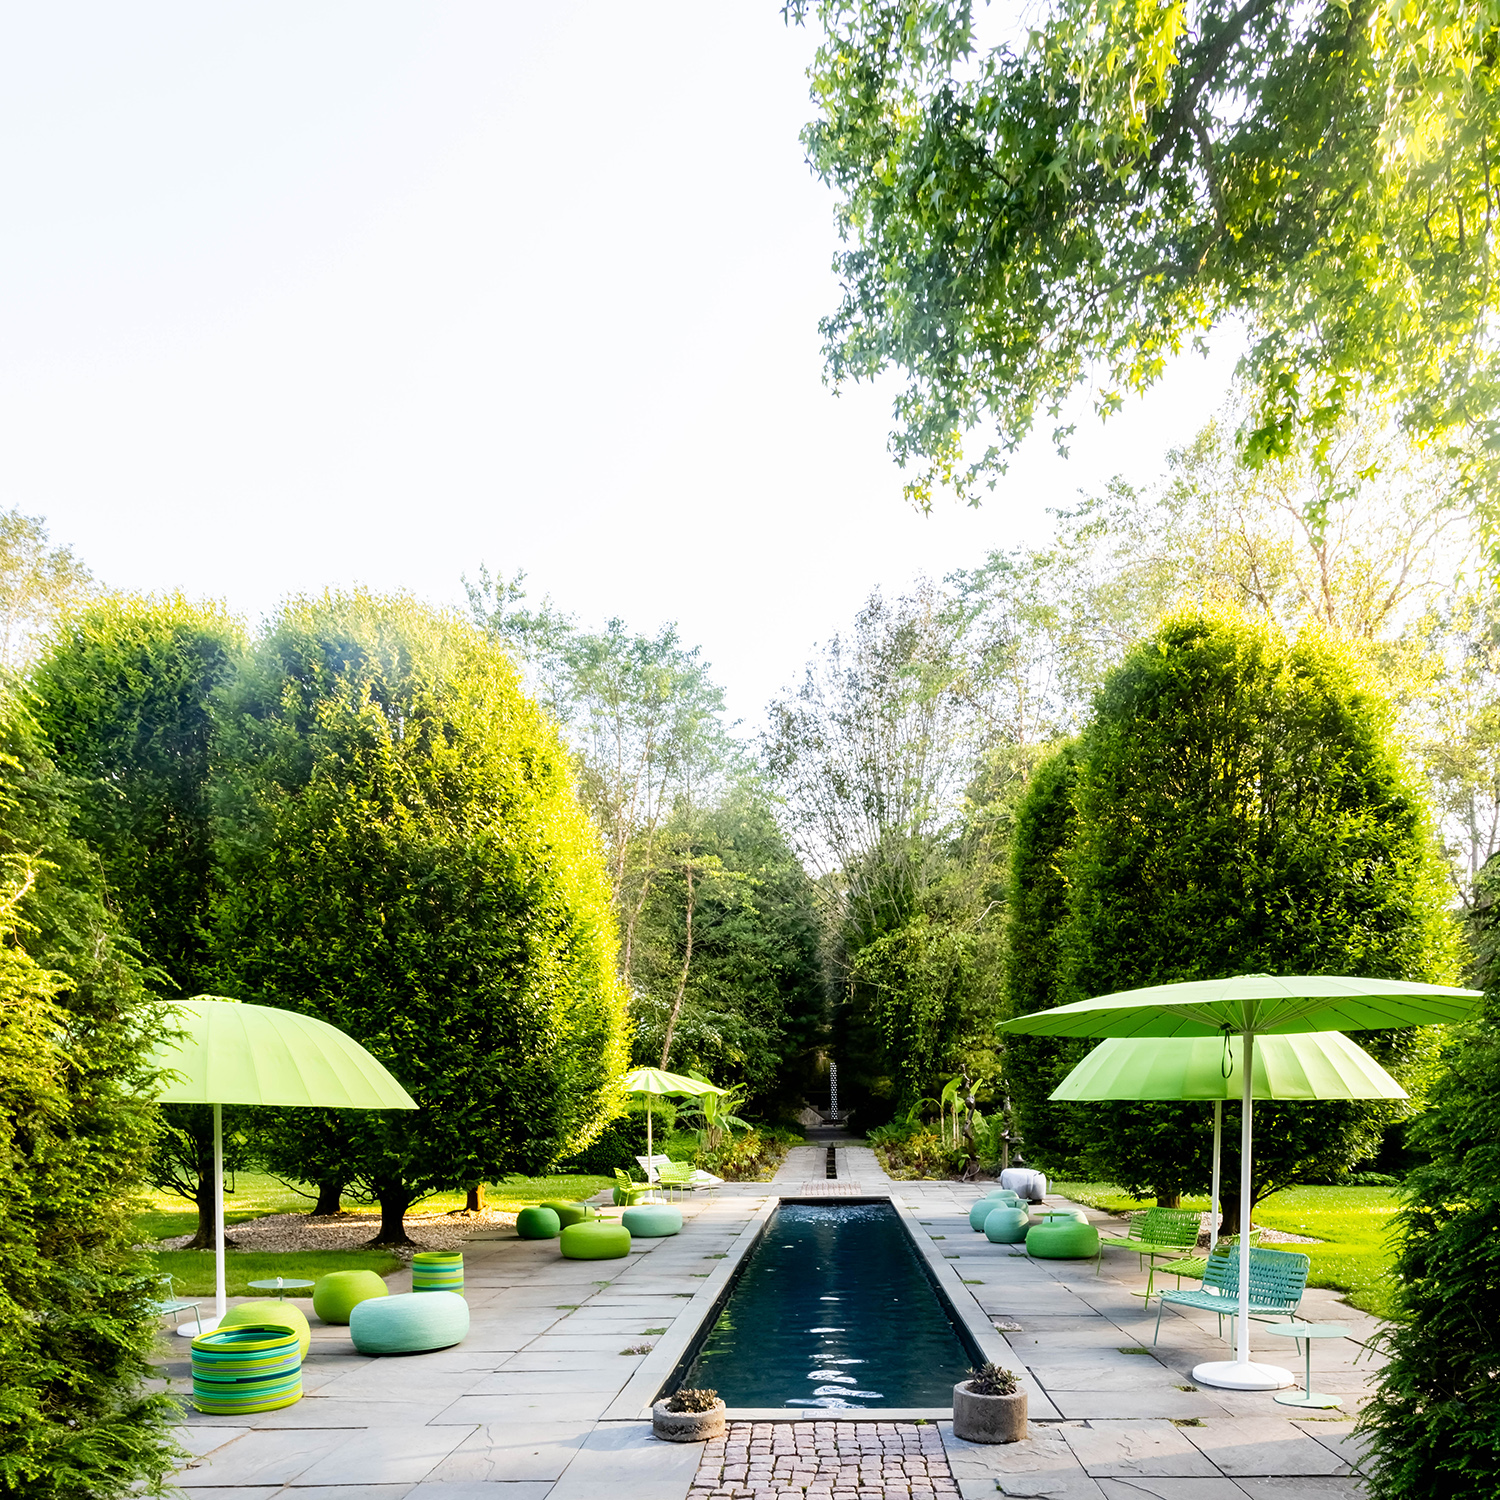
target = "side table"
x: 281, y: 1286
x: 1307, y: 1396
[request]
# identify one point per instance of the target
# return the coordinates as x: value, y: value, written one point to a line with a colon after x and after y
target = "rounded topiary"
x: 596, y: 1240
x: 539, y: 1223
x: 411, y: 1323
x: 652, y: 1220
x: 1063, y: 1239
x: 338, y: 1293
x: 567, y: 1213
x: 270, y: 1312
x: 1005, y: 1225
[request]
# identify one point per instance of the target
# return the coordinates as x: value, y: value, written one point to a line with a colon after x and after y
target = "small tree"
x: 402, y: 854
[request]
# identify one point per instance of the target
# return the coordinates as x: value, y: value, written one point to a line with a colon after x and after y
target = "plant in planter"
x: 990, y: 1406
x: 688, y: 1416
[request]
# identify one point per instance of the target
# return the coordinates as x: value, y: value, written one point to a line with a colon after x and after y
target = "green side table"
x: 281, y: 1286
x: 1307, y: 1396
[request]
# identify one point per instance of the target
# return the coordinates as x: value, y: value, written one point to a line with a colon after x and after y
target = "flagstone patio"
x: 542, y: 1401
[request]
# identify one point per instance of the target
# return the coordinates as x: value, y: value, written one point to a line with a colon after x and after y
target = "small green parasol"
x: 231, y: 1053
x: 655, y: 1081
x: 1251, y: 1006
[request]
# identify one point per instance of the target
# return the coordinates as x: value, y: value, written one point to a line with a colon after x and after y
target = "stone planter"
x: 687, y: 1426
x: 988, y: 1419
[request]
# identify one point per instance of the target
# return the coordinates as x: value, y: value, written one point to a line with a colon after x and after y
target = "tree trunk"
x: 682, y: 979
x: 330, y: 1195
x: 207, y: 1205
x: 394, y: 1198
x: 1169, y: 1197
x: 475, y: 1204
x: 971, y: 1167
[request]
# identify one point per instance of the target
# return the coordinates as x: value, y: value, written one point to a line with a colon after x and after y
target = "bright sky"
x: 300, y: 294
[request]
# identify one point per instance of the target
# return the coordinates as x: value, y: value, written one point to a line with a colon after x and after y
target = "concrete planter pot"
x: 687, y: 1426
x: 988, y: 1419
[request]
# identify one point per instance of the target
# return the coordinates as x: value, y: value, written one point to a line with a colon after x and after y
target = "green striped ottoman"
x: 438, y: 1271
x: 247, y: 1369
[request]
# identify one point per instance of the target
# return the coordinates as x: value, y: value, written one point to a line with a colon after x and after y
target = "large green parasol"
x: 655, y: 1081
x: 1313, y: 1065
x: 1251, y: 1006
x: 231, y: 1053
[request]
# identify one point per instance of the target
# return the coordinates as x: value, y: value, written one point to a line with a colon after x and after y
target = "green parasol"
x: 229, y: 1053
x: 1312, y: 1065
x: 655, y: 1081
x: 1251, y: 1006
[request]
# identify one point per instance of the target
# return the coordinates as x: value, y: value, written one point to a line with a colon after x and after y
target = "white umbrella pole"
x: 1241, y: 1373
x: 221, y: 1304
x: 1213, y: 1228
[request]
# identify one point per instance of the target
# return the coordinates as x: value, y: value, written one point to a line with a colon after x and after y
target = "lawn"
x: 193, y: 1270
x: 1353, y: 1223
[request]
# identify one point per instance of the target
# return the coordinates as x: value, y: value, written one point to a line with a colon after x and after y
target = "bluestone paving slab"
x: 1111, y: 1371
x: 623, y: 1460
x: 541, y: 1450
x: 545, y: 1382
x: 445, y: 1490
x: 1171, y: 1489
x: 325, y: 1411
x: 1130, y: 1449
x: 385, y: 1455
x: 580, y: 1359
x: 201, y: 1440
x: 1041, y: 1464
x: 1262, y: 1446
x: 262, y: 1457
x: 1099, y: 1405
x: 576, y: 1343
x: 344, y: 1492
x: 532, y: 1406
x: 1341, y: 1438
x: 245, y: 1492
x: 1308, y: 1487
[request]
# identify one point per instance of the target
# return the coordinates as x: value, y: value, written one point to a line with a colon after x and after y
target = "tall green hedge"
x: 400, y: 852
x: 75, y: 1329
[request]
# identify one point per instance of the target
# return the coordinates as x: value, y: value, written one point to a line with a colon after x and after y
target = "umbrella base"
x: 1310, y: 1398
x: 190, y: 1330
x: 1237, y: 1375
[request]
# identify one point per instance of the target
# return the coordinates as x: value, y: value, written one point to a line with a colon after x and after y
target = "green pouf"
x: 1057, y: 1215
x: 1005, y: 1225
x: 537, y: 1224
x: 270, y: 1312
x: 338, y: 1293
x: 1063, y: 1239
x: 596, y: 1240
x: 438, y: 1271
x: 410, y: 1323
x: 987, y: 1205
x: 238, y: 1370
x: 568, y: 1213
x: 652, y: 1221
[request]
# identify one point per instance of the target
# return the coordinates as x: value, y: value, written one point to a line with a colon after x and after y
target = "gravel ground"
x: 349, y: 1231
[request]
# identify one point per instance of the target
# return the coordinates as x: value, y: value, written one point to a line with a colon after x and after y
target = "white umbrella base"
x: 1242, y: 1375
x: 191, y: 1330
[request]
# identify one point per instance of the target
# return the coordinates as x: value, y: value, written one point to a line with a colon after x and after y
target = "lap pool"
x: 834, y: 1309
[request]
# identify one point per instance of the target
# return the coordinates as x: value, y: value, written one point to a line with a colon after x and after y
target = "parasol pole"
x: 1242, y: 1343
x: 1213, y: 1228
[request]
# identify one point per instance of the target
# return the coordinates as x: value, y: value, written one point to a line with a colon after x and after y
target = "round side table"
x: 281, y: 1286
x: 1307, y: 1396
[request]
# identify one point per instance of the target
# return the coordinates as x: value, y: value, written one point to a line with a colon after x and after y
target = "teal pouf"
x: 596, y: 1240
x: 567, y: 1213
x: 438, y: 1271
x: 987, y: 1205
x: 1059, y: 1215
x: 1005, y: 1225
x: 538, y: 1224
x: 411, y: 1323
x: 338, y: 1293
x: 1063, y: 1239
x: 270, y: 1312
x: 238, y: 1370
x: 652, y: 1221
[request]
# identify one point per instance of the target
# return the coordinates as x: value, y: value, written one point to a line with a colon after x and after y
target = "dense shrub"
x: 907, y: 1149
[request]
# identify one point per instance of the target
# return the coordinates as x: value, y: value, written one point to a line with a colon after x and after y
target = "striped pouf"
x: 438, y: 1271
x: 246, y: 1369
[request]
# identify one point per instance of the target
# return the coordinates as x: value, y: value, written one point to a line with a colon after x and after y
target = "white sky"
x: 322, y: 293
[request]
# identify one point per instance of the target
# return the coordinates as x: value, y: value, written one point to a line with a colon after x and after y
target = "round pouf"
x: 652, y: 1221
x: 409, y: 1323
x: 1063, y: 1239
x: 596, y: 1240
x: 238, y: 1370
x: 1057, y: 1215
x: 338, y: 1293
x: 1005, y: 1225
x: 567, y: 1213
x: 537, y: 1224
x: 270, y: 1312
x: 438, y: 1271
x: 988, y: 1204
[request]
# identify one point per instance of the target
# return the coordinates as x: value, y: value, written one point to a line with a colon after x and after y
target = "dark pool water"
x: 833, y: 1309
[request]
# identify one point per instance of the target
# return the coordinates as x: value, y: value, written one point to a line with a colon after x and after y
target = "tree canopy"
x: 1078, y: 198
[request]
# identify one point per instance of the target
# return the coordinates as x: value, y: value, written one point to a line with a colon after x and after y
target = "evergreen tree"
x: 401, y: 853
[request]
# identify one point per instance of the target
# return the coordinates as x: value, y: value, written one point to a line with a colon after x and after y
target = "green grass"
x: 1353, y: 1223
x: 194, y: 1269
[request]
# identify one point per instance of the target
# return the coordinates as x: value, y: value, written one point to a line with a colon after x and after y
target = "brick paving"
x: 824, y: 1461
